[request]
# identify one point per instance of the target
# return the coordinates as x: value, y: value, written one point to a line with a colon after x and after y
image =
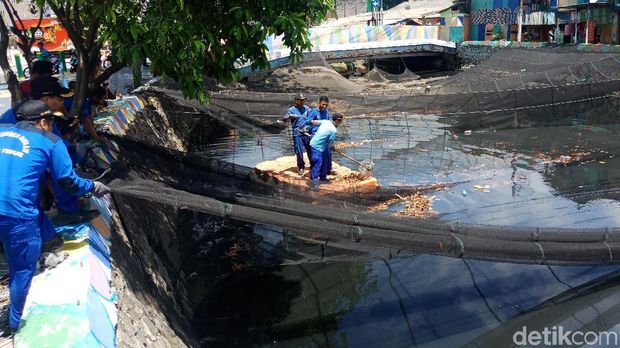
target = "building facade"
x: 587, y: 21
x: 499, y: 19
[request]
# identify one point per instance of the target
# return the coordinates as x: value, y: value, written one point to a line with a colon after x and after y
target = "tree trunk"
x: 85, y: 74
x: 9, y: 74
x: 136, y: 69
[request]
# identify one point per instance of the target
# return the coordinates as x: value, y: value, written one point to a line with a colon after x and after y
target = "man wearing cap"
x: 44, y: 88
x: 298, y: 116
x: 321, y: 141
x: 27, y: 149
x: 48, y: 90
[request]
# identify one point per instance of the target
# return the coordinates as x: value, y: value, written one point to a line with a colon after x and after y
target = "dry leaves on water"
x: 352, y: 177
x: 417, y: 206
x: 341, y: 146
x: 564, y: 159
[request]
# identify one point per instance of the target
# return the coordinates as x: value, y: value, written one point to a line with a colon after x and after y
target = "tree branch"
x: 9, y: 74
x: 116, y: 67
x: 93, y: 27
x: 38, y: 25
x: 74, y: 35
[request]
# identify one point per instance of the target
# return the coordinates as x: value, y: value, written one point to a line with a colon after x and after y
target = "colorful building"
x: 454, y: 25
x: 499, y: 19
x: 589, y: 21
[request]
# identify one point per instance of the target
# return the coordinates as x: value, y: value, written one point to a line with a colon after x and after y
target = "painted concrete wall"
x: 345, y: 8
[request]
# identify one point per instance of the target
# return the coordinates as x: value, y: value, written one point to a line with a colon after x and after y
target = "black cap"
x: 33, y: 110
x: 300, y: 97
x: 46, y: 86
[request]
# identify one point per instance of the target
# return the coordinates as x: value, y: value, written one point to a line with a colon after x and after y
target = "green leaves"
x: 190, y: 39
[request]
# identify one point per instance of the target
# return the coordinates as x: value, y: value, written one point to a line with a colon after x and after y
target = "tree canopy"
x: 188, y: 39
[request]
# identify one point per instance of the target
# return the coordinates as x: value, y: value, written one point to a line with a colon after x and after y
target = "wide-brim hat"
x: 46, y: 86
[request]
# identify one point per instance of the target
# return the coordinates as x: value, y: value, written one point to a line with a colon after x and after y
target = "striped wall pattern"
x: 74, y: 304
x: 359, y: 37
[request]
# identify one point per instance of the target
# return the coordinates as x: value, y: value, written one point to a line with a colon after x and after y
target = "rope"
x: 528, y: 107
x: 460, y: 243
x: 611, y: 255
x: 542, y: 252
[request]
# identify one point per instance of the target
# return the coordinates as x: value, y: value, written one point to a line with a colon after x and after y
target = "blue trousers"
x: 319, y: 166
x: 67, y: 202
x: 48, y: 231
x: 327, y: 159
x: 301, y: 144
x: 22, y: 245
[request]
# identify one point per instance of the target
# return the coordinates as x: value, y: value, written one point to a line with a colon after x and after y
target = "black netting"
x: 228, y: 190
x: 524, y: 83
x: 538, y: 89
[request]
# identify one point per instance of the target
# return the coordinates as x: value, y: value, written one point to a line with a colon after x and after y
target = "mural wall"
x: 360, y: 37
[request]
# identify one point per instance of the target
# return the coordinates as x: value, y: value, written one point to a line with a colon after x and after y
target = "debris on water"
x: 483, y: 188
x: 464, y: 193
x: 563, y: 159
x: 341, y: 146
x: 417, y: 206
x: 352, y: 177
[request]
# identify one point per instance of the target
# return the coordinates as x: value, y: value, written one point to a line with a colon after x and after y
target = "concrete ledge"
x: 510, y: 44
x: 598, y: 48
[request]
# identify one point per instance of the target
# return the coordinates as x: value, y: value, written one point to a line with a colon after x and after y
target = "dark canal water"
x: 419, y: 300
x: 537, y: 177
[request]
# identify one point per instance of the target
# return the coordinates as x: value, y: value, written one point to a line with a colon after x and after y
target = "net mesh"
x: 508, y: 91
x: 229, y: 191
x: 514, y: 88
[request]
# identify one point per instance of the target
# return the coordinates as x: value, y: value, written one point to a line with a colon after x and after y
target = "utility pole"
x: 587, y: 24
x: 520, y: 21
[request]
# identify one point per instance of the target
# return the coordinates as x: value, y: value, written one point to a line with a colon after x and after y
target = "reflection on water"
x: 565, y: 176
x: 245, y: 289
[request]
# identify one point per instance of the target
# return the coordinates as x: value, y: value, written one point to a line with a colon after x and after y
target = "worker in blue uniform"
x: 49, y: 90
x: 321, y: 112
x: 27, y: 149
x: 322, y: 140
x: 298, y: 115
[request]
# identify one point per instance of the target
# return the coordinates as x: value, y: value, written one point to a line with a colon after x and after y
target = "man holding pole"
x: 298, y: 115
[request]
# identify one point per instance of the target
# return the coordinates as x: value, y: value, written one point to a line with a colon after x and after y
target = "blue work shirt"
x: 317, y: 115
x: 86, y: 107
x: 25, y: 153
x: 324, y: 136
x: 9, y: 116
x: 298, y: 117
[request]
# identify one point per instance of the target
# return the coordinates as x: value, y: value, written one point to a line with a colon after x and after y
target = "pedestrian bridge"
x: 362, y: 42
